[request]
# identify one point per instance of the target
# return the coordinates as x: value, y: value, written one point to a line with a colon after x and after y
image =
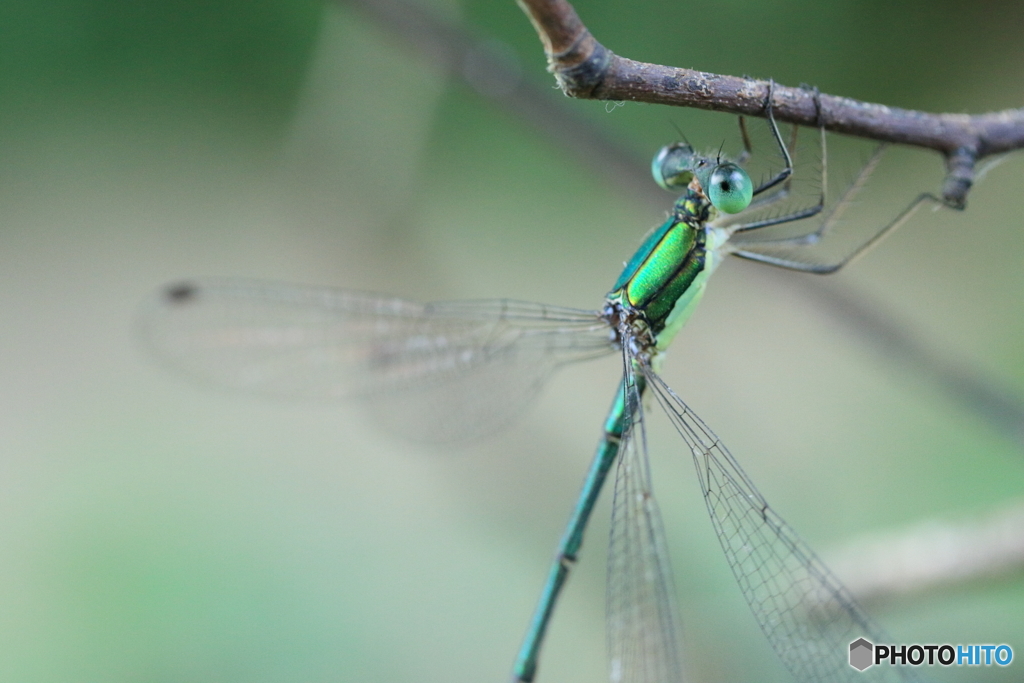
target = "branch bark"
x: 586, y: 69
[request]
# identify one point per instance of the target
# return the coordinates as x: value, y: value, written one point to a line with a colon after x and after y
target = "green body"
x: 662, y: 282
x: 668, y: 264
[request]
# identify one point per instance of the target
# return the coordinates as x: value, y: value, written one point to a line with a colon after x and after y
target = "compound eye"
x: 671, y: 166
x: 729, y: 188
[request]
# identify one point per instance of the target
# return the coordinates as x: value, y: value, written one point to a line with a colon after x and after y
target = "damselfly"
x: 425, y: 364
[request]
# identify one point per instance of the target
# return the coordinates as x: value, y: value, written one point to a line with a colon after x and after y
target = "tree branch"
x: 586, y: 69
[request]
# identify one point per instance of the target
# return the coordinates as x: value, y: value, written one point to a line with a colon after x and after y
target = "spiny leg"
x: 785, y: 176
x: 765, y: 200
x: 829, y: 221
x: 812, y: 238
x: 786, y: 172
x: 835, y: 213
x: 748, y: 148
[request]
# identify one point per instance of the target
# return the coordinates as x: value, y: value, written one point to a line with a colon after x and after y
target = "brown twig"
x: 586, y: 69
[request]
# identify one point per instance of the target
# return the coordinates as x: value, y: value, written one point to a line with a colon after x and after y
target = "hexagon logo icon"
x: 861, y: 652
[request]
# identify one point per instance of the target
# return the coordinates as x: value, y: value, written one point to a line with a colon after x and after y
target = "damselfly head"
x: 672, y: 166
x: 726, y: 184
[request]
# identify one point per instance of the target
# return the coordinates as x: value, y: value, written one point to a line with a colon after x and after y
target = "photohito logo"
x: 864, y: 654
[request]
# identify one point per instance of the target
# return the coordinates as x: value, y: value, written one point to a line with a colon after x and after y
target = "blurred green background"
x: 152, y: 530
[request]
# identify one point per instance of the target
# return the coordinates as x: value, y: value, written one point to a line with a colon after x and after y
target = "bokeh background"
x: 153, y: 530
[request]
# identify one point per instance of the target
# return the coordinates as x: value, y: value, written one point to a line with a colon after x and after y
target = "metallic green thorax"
x: 669, y: 267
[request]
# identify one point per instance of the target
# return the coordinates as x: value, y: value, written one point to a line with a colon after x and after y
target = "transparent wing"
x: 807, y: 615
x: 432, y: 371
x: 643, y: 621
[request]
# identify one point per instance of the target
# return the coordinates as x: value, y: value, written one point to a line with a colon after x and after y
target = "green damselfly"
x: 425, y: 363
